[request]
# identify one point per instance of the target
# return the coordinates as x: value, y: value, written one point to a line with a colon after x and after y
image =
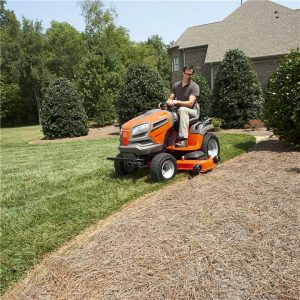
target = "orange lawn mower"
x: 148, y: 141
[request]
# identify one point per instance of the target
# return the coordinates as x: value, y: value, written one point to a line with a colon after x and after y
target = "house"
x: 265, y: 31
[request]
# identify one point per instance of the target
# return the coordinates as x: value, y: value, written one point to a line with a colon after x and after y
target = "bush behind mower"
x: 148, y: 141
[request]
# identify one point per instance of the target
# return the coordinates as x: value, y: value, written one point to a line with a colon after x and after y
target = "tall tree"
x: 11, y: 110
x: 141, y: 53
x: 2, y: 12
x: 99, y: 81
x: 100, y: 75
x: 163, y: 59
x: 96, y: 17
x: 10, y: 49
x: 64, y: 49
x: 33, y: 74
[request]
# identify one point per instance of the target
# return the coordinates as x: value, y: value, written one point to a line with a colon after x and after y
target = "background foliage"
x: 237, y: 95
x: 94, y: 60
x: 282, y: 106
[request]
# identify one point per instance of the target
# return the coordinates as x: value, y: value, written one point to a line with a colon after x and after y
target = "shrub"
x: 63, y: 114
x: 217, y: 122
x: 237, y: 95
x: 204, y: 97
x: 282, y: 106
x: 143, y: 90
x: 254, y: 124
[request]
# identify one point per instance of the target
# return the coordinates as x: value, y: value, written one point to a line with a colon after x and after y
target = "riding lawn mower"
x: 148, y: 141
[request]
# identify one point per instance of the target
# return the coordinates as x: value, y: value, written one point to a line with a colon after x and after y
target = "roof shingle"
x: 260, y: 28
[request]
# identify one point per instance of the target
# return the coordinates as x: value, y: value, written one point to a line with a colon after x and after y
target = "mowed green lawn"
x: 51, y: 192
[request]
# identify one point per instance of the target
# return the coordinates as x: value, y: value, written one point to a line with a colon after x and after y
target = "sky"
x: 168, y: 19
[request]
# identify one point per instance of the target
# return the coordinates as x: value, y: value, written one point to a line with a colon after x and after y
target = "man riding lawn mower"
x: 170, y: 138
x: 149, y: 141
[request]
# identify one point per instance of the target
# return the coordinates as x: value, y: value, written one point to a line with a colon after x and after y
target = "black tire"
x: 124, y: 167
x: 163, y: 167
x: 211, y: 145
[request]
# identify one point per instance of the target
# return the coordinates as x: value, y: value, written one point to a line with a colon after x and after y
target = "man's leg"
x: 185, y: 114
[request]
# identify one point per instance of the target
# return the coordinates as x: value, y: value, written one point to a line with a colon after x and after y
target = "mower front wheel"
x: 124, y: 167
x: 163, y: 167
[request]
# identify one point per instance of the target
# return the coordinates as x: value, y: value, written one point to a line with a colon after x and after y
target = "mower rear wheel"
x: 163, y: 167
x: 211, y: 145
x: 124, y: 167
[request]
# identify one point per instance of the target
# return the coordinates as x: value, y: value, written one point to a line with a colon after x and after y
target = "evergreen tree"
x: 282, y: 106
x: 143, y: 90
x: 237, y: 95
x: 63, y: 114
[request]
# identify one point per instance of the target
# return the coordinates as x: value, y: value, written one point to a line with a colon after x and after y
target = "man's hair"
x: 188, y: 68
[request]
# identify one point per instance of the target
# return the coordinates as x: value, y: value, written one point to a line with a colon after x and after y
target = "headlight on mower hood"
x: 140, y: 129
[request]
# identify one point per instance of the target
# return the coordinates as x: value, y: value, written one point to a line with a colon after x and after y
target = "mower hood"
x: 151, y: 125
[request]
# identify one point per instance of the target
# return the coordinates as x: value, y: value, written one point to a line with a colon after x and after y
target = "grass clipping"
x: 230, y: 234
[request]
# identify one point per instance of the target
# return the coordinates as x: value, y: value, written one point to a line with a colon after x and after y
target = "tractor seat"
x: 196, y: 119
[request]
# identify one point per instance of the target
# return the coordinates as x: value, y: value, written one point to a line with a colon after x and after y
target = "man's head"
x: 187, y: 73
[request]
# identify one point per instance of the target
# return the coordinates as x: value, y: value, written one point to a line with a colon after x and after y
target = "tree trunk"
x: 38, y: 104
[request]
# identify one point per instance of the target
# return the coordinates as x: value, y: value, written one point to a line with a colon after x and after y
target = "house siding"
x: 194, y: 57
x: 264, y: 68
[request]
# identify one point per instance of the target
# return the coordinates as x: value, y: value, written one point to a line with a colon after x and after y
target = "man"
x: 184, y: 95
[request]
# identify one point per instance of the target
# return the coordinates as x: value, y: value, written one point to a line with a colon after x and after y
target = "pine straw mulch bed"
x: 230, y: 234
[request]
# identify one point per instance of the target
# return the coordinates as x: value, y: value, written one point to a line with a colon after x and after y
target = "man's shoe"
x: 181, y: 144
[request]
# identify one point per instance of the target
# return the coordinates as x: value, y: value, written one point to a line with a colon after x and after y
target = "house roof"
x: 260, y: 28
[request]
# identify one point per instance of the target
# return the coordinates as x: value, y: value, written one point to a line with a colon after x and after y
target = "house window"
x: 175, y: 64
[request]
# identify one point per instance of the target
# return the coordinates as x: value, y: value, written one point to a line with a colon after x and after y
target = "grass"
x: 51, y: 192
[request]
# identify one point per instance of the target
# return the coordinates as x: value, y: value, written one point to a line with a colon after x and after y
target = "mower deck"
x: 203, y: 166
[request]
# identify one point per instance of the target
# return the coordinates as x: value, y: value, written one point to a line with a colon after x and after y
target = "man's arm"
x: 190, y: 103
x: 170, y: 101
